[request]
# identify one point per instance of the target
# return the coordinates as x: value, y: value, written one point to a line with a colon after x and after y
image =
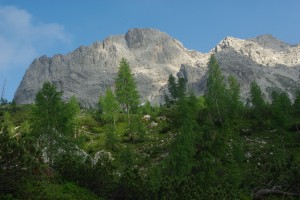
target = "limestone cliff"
x: 153, y: 55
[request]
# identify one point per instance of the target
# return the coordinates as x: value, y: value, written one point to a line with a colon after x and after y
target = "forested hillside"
x: 209, y: 147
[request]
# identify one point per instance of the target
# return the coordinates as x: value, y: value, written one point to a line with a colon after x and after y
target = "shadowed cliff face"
x: 153, y: 56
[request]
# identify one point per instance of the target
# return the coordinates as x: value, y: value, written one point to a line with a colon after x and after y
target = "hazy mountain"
x: 153, y: 55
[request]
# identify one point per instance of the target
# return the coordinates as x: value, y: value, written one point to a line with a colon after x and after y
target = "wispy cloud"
x: 22, y: 38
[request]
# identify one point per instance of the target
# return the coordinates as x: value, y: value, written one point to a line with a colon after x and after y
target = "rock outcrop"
x: 153, y: 55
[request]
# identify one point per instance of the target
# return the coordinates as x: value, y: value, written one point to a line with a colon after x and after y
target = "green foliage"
x: 15, y: 159
x: 52, y: 119
x: 258, y: 104
x: 181, y: 88
x: 48, y: 190
x: 126, y: 90
x: 3, y: 101
x: 176, y: 90
x: 70, y: 113
x: 234, y: 104
x: 111, y: 139
x: 137, y: 129
x: 110, y: 112
x: 131, y: 186
x: 216, y: 92
x: 126, y: 158
x: 281, y: 109
x: 148, y: 109
x: 256, y: 96
x: 180, y: 161
x: 110, y: 107
x: 97, y: 177
x: 212, y: 147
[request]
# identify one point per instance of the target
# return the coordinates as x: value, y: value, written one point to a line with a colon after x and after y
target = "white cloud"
x: 22, y: 38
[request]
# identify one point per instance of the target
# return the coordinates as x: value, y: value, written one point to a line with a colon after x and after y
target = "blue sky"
x: 32, y: 28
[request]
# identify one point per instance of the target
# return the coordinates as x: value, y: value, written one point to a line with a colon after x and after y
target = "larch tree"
x: 52, y: 119
x: 258, y: 104
x: 126, y: 89
x: 110, y: 112
x: 216, y: 91
x: 234, y: 98
x: 110, y: 107
x: 281, y: 109
x: 181, y: 158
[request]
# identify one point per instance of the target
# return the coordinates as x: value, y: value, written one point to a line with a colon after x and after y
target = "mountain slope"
x: 153, y: 55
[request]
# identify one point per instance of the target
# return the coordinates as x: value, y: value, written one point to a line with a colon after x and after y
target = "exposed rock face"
x: 153, y: 55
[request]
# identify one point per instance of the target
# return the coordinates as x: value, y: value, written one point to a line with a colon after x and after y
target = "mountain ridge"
x: 153, y: 55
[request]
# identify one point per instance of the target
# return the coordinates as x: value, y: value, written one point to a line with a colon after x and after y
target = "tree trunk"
x: 261, y: 194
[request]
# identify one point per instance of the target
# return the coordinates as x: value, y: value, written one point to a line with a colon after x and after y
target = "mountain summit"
x: 153, y: 56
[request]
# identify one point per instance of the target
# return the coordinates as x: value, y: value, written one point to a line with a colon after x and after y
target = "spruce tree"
x: 172, y: 88
x: 177, y: 90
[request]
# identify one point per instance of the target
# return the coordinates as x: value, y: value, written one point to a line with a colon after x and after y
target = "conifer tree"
x: 126, y: 90
x: 172, y: 87
x: 256, y: 96
x: 234, y: 99
x: 177, y: 89
x: 281, y: 109
x: 216, y: 91
x: 181, y: 161
x: 258, y: 104
x: 181, y: 88
x: 70, y: 113
x: 52, y: 119
x: 110, y: 107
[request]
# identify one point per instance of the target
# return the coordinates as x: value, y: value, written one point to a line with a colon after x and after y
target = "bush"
x: 46, y: 189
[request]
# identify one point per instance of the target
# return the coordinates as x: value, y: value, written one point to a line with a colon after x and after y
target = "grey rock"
x: 153, y: 56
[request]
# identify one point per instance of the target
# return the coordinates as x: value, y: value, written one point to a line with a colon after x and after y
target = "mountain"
x: 153, y: 56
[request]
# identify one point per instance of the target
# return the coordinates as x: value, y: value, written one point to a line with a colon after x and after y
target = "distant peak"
x: 269, y: 41
x: 137, y: 37
x: 227, y: 42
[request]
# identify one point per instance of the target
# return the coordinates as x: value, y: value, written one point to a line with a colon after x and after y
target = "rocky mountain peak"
x: 137, y: 38
x: 269, y: 41
x: 154, y: 55
x: 229, y: 42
